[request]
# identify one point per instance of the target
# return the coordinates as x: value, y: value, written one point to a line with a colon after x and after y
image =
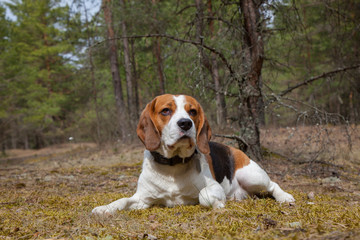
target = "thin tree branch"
x: 224, y: 21
x: 200, y: 44
x: 185, y: 8
x: 243, y: 145
x: 310, y: 80
x: 222, y: 91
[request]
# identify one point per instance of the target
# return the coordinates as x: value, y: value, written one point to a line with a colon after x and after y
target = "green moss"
x: 246, y: 219
x: 61, y: 209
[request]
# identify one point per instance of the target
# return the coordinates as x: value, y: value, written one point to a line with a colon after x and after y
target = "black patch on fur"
x: 222, y: 161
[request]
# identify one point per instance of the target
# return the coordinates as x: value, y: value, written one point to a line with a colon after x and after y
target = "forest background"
x: 70, y: 72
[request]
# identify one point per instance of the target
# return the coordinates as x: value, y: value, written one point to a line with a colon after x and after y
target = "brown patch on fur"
x: 159, y: 103
x: 147, y: 132
x: 152, y: 122
x: 240, y: 158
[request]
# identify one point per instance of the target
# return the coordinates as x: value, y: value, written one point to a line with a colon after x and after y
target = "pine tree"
x: 36, y: 65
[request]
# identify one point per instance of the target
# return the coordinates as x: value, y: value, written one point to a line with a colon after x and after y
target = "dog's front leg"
x: 212, y: 196
x: 133, y: 202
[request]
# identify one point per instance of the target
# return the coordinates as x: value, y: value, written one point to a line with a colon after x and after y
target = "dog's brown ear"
x: 204, y: 134
x: 146, y: 129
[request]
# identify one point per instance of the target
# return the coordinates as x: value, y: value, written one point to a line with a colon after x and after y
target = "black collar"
x: 171, y: 161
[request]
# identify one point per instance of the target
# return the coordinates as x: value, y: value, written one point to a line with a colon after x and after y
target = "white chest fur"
x: 173, y: 185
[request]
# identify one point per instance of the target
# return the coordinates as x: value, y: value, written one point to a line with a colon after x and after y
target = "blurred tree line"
x: 69, y: 72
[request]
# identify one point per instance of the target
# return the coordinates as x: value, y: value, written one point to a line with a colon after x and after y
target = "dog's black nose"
x: 185, y: 124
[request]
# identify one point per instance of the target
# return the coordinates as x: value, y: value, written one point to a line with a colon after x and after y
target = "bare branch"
x: 243, y: 145
x: 200, y: 44
x: 310, y: 80
x: 222, y: 91
x: 225, y: 21
x: 185, y: 8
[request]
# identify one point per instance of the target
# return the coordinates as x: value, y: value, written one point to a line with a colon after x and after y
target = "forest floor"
x: 49, y: 193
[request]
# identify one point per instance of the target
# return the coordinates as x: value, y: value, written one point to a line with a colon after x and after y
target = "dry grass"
x: 51, y: 196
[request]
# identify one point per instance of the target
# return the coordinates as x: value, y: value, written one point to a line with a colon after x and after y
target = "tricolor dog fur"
x: 182, y: 167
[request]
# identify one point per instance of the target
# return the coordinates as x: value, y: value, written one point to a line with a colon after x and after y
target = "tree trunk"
x: 157, y: 53
x: 94, y: 90
x: 26, y: 140
x: 135, y: 79
x: 93, y: 81
x: 351, y: 108
x: 114, y: 65
x: 13, y: 133
x: 200, y: 34
x: 3, y: 149
x: 210, y: 63
x: 220, y: 98
x: 128, y: 73
x: 249, y: 85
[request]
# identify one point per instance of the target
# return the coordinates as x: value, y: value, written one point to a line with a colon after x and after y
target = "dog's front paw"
x: 102, y: 211
x: 218, y: 204
x: 214, y: 202
x: 285, y: 198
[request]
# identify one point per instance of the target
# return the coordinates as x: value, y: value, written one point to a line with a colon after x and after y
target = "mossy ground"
x: 52, y: 198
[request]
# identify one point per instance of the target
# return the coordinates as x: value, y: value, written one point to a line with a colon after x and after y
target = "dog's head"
x: 174, y: 125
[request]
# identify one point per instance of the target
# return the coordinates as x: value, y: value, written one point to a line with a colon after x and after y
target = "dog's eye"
x: 165, y: 112
x: 192, y: 112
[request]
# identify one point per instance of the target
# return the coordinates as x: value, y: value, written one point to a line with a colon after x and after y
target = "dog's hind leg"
x: 255, y: 180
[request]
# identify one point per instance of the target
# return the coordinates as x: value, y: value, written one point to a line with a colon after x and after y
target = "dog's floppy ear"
x: 146, y: 129
x: 203, y: 134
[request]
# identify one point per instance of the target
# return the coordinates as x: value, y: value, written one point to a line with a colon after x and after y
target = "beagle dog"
x: 182, y: 167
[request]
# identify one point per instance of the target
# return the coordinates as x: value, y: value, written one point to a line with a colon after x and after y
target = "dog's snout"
x: 185, y: 124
